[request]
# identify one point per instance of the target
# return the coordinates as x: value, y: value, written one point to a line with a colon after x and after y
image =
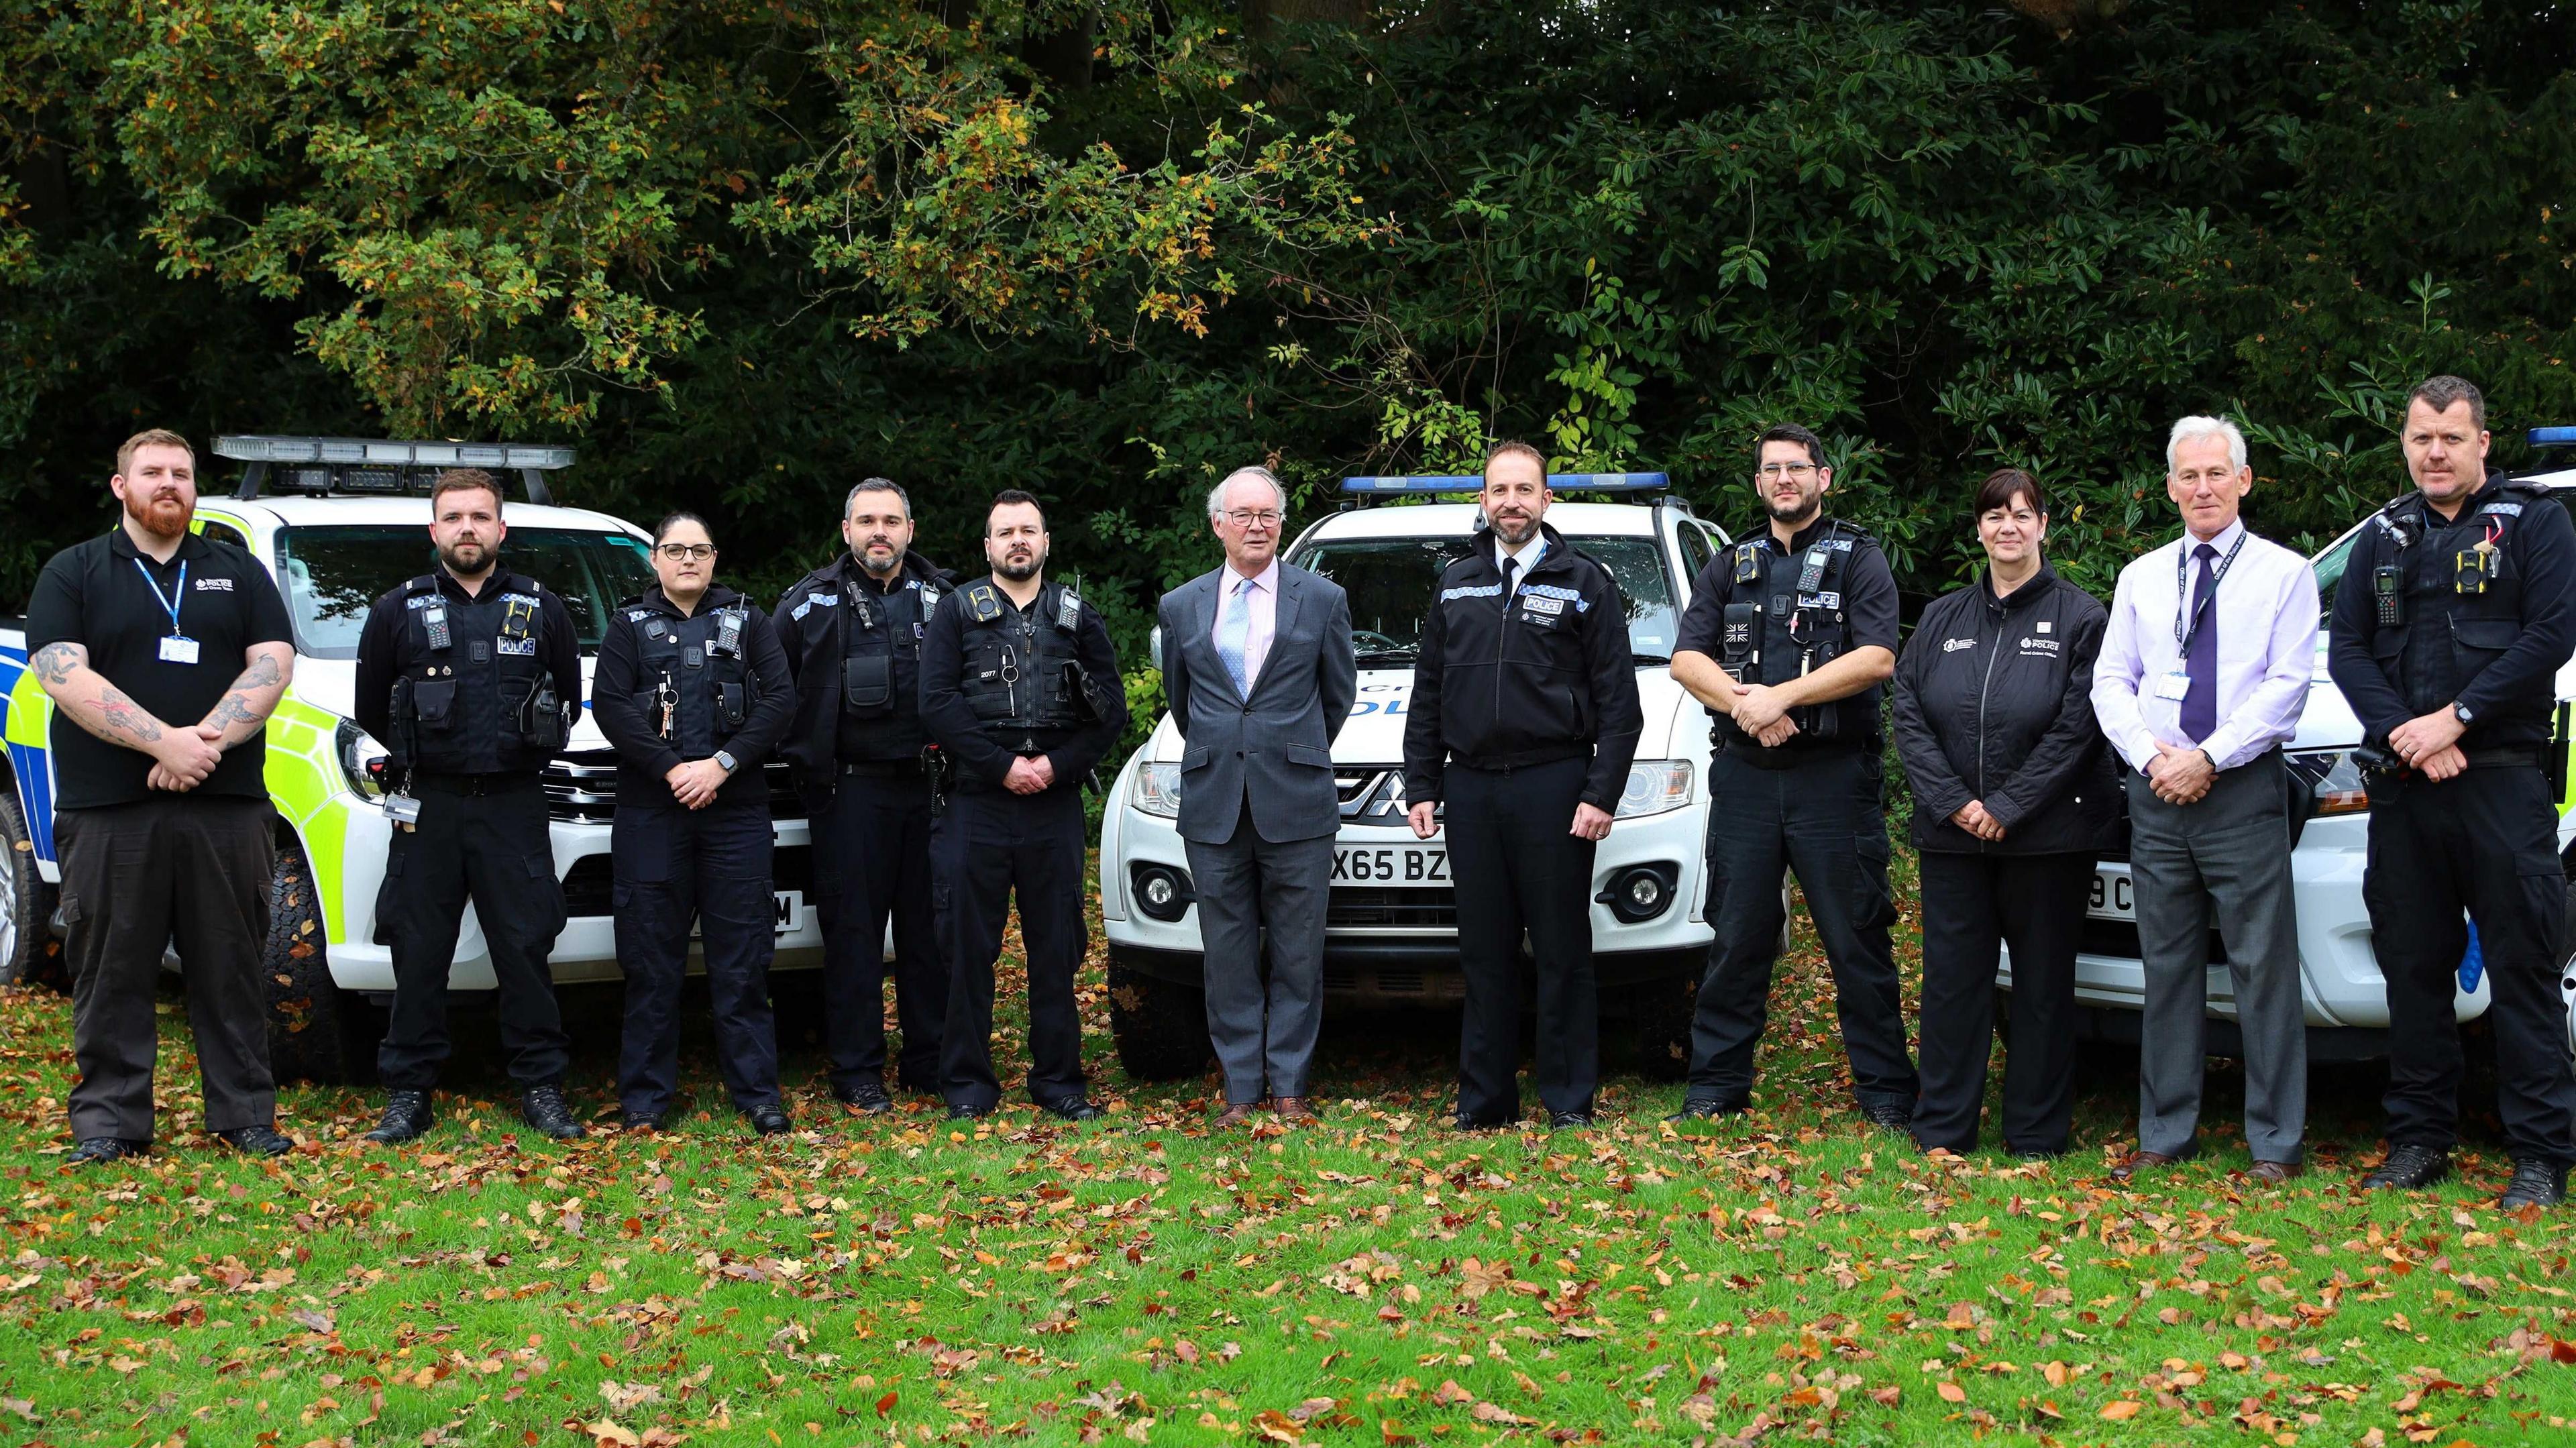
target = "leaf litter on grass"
x: 1374, y: 1279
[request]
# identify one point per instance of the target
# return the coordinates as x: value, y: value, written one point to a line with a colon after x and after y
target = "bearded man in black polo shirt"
x: 163, y: 654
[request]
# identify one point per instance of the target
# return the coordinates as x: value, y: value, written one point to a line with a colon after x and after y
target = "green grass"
x: 1375, y: 1280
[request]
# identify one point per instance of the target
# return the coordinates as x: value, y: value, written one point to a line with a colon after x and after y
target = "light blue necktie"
x: 1234, y: 634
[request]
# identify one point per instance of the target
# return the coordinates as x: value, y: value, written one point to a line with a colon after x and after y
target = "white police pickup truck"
x: 339, y: 521
x: 1391, y: 932
x: 2346, y: 997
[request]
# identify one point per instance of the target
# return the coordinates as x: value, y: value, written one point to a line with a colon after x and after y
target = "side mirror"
x: 1154, y: 646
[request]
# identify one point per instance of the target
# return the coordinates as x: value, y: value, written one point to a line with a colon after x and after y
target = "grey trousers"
x: 2227, y: 856
x: 1261, y: 925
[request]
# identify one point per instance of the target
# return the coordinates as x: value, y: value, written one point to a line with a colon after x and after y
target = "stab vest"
x: 694, y: 675
x: 1023, y: 671
x: 471, y: 694
x: 1788, y: 619
x: 880, y: 668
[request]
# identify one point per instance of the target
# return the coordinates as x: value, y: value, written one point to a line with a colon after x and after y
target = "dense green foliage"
x: 744, y: 253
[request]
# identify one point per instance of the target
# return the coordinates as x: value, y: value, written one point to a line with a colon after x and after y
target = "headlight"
x: 1654, y: 786
x: 1157, y: 791
x: 2333, y: 780
x: 356, y: 748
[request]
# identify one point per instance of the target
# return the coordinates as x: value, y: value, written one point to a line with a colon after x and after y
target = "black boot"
x: 256, y: 1140
x: 407, y: 1118
x: 2408, y: 1168
x: 544, y: 1108
x: 2536, y: 1183
x: 103, y: 1148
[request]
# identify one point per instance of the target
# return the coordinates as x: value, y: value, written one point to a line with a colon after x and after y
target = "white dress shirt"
x: 2266, y: 617
x: 1263, y: 599
x: 1528, y: 554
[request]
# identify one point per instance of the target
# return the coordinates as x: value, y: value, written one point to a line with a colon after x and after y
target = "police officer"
x: 693, y: 690
x: 1020, y: 691
x: 470, y: 675
x: 1788, y: 639
x: 853, y: 631
x: 1523, y: 723
x: 2455, y: 610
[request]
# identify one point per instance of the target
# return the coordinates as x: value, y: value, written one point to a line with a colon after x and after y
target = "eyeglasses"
x: 1773, y: 472
x: 1245, y: 518
x: 677, y: 551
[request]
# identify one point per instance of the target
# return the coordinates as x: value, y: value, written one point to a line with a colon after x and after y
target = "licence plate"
x: 790, y: 905
x: 1391, y: 865
x: 2114, y: 897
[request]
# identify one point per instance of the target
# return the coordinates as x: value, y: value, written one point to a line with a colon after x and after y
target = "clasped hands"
x: 182, y: 758
x: 1758, y: 710
x: 695, y: 783
x: 2431, y: 743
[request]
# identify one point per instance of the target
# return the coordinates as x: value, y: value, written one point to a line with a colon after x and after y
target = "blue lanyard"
x: 170, y: 603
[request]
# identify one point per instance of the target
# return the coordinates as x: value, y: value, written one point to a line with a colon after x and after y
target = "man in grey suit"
x: 1259, y: 675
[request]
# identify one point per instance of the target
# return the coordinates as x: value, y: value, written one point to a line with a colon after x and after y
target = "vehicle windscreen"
x: 332, y: 574
x: 1390, y: 579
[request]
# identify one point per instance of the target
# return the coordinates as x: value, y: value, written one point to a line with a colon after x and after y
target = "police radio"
x: 729, y: 633
x: 2387, y: 591
x: 1811, y: 574
x: 433, y: 620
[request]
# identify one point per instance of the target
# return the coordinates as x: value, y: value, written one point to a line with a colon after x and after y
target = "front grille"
x: 581, y: 788
x: 590, y: 886
x: 1371, y: 794
x: 1376, y: 905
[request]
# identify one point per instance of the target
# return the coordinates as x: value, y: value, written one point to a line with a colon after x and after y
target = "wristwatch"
x: 2461, y: 713
x: 725, y: 758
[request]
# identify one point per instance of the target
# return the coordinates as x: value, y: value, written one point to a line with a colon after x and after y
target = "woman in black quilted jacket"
x: 2014, y: 799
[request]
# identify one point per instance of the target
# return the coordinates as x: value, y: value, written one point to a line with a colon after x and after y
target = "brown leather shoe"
x: 2276, y: 1172
x: 1294, y: 1110
x: 2141, y: 1161
x: 1236, y: 1113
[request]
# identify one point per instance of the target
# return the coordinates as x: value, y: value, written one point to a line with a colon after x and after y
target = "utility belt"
x: 1795, y: 752
x: 2372, y: 759
x: 473, y: 786
x: 912, y: 768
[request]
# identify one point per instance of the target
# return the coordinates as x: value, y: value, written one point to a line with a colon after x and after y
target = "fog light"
x: 1640, y: 892
x: 1162, y: 893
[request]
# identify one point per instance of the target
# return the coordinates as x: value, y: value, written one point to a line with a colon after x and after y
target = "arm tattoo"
x: 54, y: 663
x: 120, y: 712
x: 261, y: 673
x: 236, y: 710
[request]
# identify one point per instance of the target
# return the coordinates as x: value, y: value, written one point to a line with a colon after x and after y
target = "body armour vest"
x: 1788, y: 620
x: 698, y: 687
x: 1023, y: 670
x: 880, y: 669
x: 471, y: 695
x: 2446, y: 597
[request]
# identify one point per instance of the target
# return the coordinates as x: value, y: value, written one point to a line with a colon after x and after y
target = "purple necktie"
x: 2200, y: 702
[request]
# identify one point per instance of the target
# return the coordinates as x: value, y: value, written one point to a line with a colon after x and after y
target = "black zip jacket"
x: 2505, y: 653
x: 815, y: 645
x: 1543, y: 675
x: 1994, y: 701
x: 644, y: 758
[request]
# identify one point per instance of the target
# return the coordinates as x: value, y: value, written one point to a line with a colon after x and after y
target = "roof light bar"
x: 268, y: 449
x: 2553, y: 437
x: 1473, y: 483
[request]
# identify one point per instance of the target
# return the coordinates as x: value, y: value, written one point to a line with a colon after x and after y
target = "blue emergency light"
x: 2553, y: 437
x: 1557, y: 482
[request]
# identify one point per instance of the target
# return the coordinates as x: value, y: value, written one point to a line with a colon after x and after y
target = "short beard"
x: 144, y: 510
x: 893, y: 565
x: 1804, y: 513
x: 1503, y: 532
x: 1017, y: 572
x: 459, y: 567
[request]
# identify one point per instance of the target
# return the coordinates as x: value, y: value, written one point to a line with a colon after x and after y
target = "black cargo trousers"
x: 481, y: 837
x: 674, y: 867
x: 2484, y: 842
x: 175, y: 870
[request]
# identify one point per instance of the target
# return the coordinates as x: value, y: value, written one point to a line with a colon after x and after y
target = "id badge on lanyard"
x: 176, y: 646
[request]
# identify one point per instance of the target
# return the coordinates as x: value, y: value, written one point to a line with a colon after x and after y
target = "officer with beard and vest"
x: 470, y: 675
x: 1020, y: 690
x: 693, y: 690
x: 1789, y: 638
x: 853, y: 631
x: 2456, y: 609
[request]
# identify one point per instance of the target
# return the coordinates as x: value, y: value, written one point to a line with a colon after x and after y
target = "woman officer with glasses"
x: 692, y: 688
